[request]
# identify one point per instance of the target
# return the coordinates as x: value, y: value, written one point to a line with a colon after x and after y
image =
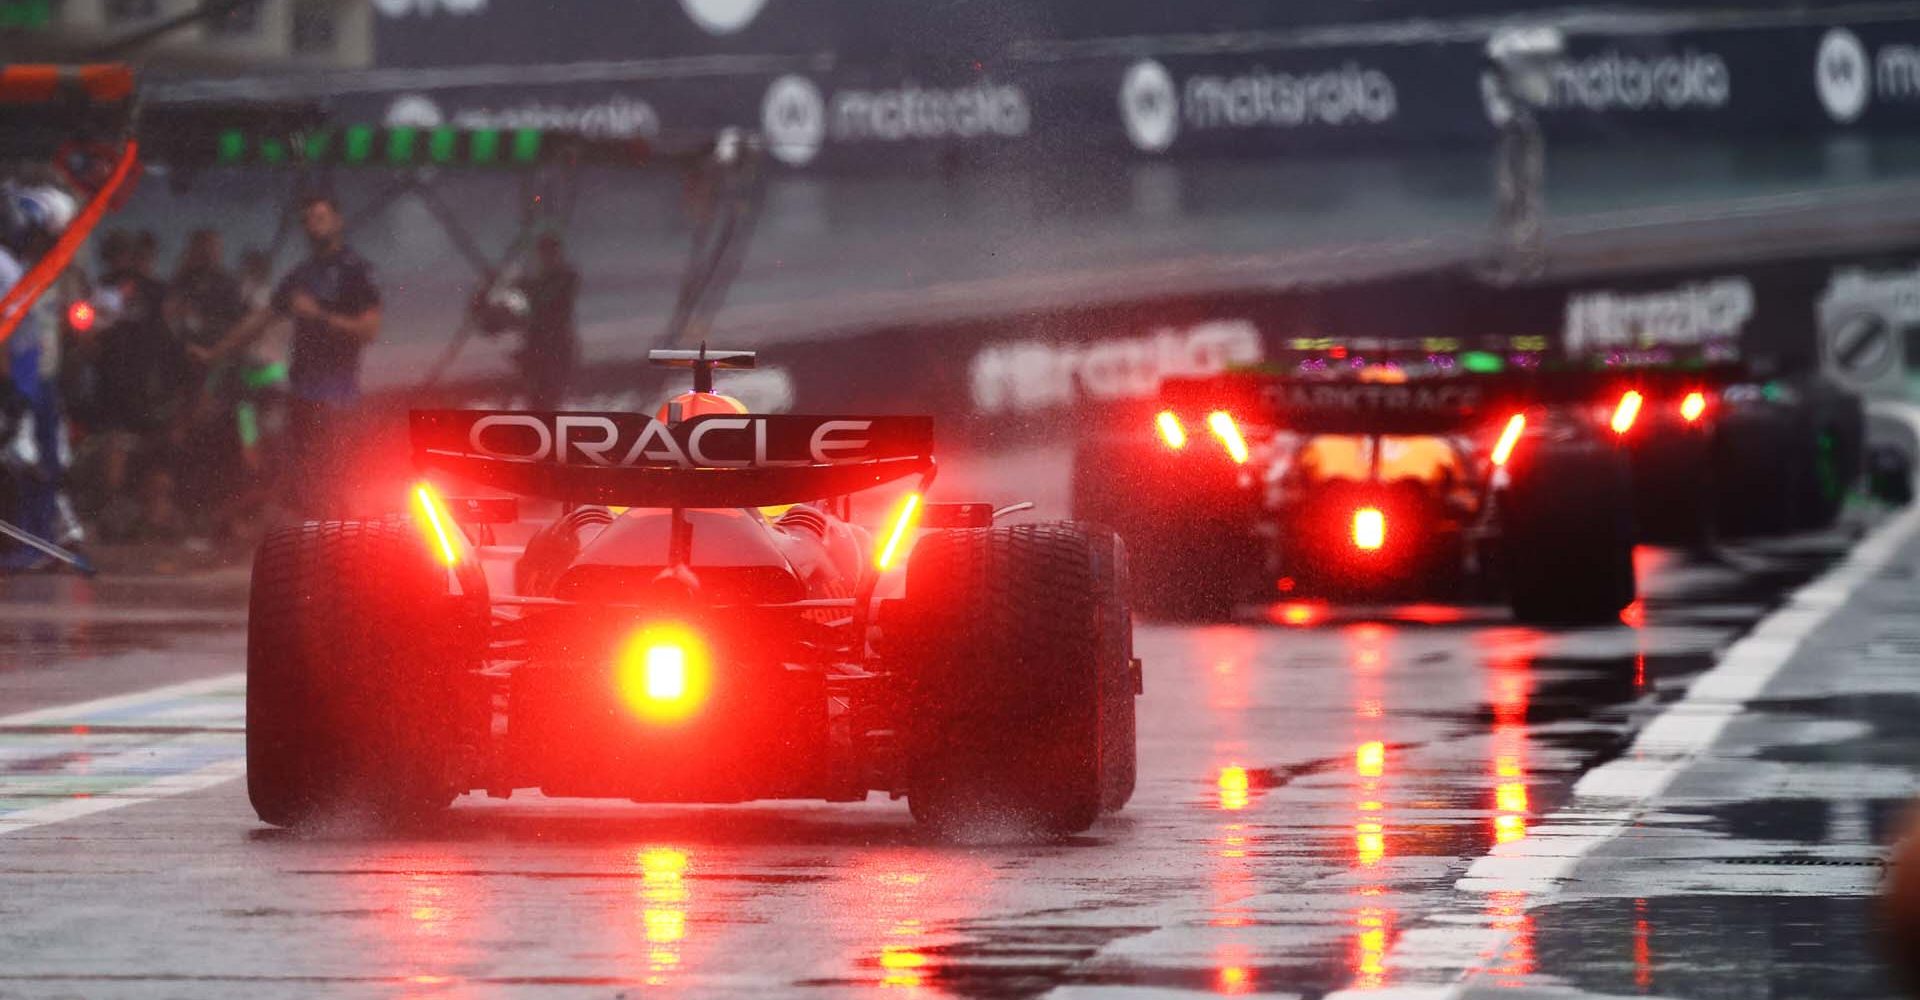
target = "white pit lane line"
x: 1460, y: 941
x: 77, y: 760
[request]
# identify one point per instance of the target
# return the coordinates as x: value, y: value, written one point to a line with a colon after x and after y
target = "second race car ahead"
x: 1255, y: 486
x: 702, y: 621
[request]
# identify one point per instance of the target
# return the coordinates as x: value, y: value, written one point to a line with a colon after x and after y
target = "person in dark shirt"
x: 204, y: 302
x: 142, y: 381
x: 550, y: 347
x: 334, y: 305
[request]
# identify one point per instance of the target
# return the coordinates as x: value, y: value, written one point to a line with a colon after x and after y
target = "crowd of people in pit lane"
x: 198, y: 403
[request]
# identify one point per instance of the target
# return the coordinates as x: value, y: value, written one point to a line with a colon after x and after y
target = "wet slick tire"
x: 360, y: 690
x: 1568, y: 519
x: 1022, y: 685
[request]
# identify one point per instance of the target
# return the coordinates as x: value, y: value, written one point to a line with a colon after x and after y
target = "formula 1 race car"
x: 1249, y: 486
x: 1738, y: 458
x: 700, y: 621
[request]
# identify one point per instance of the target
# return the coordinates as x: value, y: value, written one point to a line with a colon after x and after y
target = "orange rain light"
x: 1369, y: 529
x: 1509, y: 439
x: 904, y: 518
x: 437, y: 523
x: 1627, y: 411
x: 1693, y: 407
x: 1220, y: 422
x: 1172, y: 431
x: 662, y: 673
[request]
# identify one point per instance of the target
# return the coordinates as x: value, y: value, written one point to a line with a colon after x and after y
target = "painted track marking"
x: 77, y: 760
x: 1460, y: 942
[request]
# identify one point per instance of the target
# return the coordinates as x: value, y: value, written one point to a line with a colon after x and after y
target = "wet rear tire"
x: 360, y: 691
x: 1021, y: 681
x: 1569, y: 535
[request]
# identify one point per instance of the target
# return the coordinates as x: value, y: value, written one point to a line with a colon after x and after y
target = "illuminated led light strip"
x: 1627, y: 412
x: 1509, y: 438
x: 1223, y: 427
x: 902, y: 523
x: 438, y: 522
x: 1170, y: 430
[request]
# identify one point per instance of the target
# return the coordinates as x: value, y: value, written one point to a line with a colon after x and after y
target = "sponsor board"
x: 799, y: 119
x: 428, y: 8
x: 1027, y: 375
x: 1851, y: 75
x: 1865, y: 317
x: 1155, y: 106
x: 1614, y: 81
x: 1685, y: 315
x: 630, y: 440
x: 614, y: 117
x: 722, y: 17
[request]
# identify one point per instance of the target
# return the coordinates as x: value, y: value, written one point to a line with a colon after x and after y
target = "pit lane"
x: 1313, y: 781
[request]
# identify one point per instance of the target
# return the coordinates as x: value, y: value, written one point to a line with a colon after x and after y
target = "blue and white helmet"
x: 29, y: 215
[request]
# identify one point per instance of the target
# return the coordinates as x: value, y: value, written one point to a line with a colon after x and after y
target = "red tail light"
x: 662, y: 673
x: 437, y: 523
x: 1693, y: 407
x: 903, y: 519
x: 1369, y: 529
x: 1627, y: 411
x: 1509, y: 438
x: 1171, y: 430
x: 1223, y: 427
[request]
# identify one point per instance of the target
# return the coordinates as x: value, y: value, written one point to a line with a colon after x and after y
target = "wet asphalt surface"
x: 1314, y: 780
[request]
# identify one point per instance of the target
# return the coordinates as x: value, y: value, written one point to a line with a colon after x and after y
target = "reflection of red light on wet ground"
x: 1369, y: 843
x: 1640, y: 672
x: 1508, y: 912
x: 663, y: 909
x: 1430, y: 614
x: 1634, y: 615
x: 1370, y: 941
x: 1642, y: 948
x: 1233, y: 980
x: 1298, y: 614
x: 901, y: 966
x: 1234, y: 785
x: 1511, y: 688
x: 1370, y: 759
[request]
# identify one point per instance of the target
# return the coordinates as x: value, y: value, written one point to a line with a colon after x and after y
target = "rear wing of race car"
x: 1437, y: 405
x: 715, y: 460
